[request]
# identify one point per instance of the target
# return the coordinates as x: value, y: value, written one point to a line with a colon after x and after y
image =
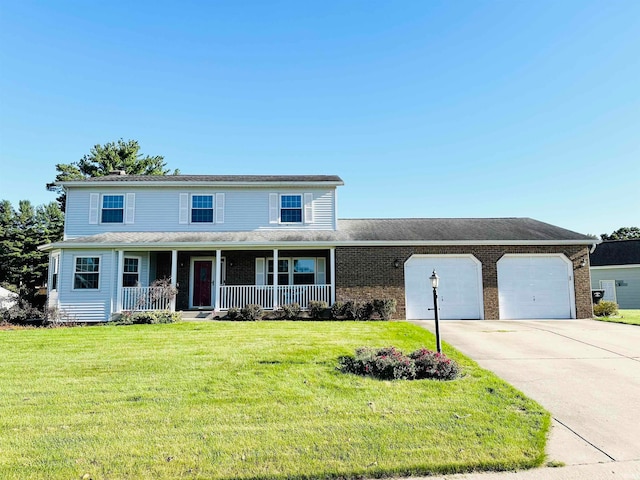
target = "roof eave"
x: 200, y: 183
x: 305, y: 244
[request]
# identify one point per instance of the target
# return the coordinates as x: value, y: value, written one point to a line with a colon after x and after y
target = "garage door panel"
x: 532, y: 286
x: 459, y: 291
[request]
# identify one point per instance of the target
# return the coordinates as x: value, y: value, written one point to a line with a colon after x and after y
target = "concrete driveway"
x: 585, y: 372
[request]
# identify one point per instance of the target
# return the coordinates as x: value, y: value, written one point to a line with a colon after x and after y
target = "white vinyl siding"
x: 168, y: 210
x: 86, y: 305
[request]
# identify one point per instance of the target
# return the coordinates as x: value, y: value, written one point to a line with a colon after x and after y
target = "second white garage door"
x: 459, y: 293
x: 535, y: 286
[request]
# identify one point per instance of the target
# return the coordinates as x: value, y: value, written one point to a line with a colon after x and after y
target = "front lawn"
x: 246, y: 400
x: 631, y: 317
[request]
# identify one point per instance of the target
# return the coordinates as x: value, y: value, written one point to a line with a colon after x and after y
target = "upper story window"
x: 202, y: 208
x: 112, y: 209
x: 291, y: 208
x: 87, y: 273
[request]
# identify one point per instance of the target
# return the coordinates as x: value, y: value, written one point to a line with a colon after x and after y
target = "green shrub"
x: 21, y: 312
x: 148, y: 318
x: 389, y: 363
x: 385, y: 308
x: 364, y: 311
x: 290, y: 311
x: 317, y: 309
x: 337, y: 310
x: 605, y: 309
x: 252, y: 312
x: 349, y: 310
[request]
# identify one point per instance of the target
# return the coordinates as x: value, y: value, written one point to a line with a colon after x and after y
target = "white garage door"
x: 459, y: 293
x: 535, y: 286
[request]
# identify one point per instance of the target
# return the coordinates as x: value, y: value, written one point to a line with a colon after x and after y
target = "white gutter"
x: 308, y: 244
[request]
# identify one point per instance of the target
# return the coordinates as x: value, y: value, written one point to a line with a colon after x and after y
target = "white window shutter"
x: 321, y: 268
x: 130, y: 208
x: 184, y: 208
x: 308, y: 208
x: 273, y: 208
x: 219, y: 207
x: 94, y: 200
x: 260, y: 273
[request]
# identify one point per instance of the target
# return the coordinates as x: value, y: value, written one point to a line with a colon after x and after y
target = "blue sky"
x: 424, y: 108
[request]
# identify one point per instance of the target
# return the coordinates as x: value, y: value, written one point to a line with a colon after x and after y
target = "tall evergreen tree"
x: 103, y: 159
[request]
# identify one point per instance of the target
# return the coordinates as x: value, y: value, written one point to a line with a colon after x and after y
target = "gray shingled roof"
x: 352, y: 232
x: 214, y: 178
x: 618, y: 252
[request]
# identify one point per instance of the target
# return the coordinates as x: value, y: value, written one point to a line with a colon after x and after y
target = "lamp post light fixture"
x: 435, y: 281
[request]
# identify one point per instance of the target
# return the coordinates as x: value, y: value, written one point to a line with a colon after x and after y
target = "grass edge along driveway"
x: 247, y: 400
x: 629, y: 317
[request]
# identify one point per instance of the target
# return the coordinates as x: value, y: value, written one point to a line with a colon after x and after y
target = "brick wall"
x: 368, y: 272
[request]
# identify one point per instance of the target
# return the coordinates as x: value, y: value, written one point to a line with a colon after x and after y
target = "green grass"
x: 247, y: 400
x: 630, y: 317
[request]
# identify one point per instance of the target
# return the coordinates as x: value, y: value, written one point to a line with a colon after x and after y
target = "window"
x: 54, y: 273
x: 202, y: 209
x: 112, y: 208
x: 283, y: 271
x: 304, y: 271
x: 86, y: 273
x: 131, y: 274
x: 291, y: 208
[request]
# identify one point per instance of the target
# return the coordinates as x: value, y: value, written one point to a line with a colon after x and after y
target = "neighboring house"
x: 615, y: 268
x: 227, y: 241
x: 7, y: 298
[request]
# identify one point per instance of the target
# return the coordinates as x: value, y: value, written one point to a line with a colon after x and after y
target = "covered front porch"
x: 221, y: 279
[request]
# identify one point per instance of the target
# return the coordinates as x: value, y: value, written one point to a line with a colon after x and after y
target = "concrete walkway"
x: 585, y: 372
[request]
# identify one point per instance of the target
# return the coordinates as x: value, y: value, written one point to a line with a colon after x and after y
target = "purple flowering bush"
x: 389, y: 363
x: 430, y: 364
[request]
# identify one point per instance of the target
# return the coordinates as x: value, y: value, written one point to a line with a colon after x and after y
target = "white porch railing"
x: 240, y: 295
x: 144, y: 298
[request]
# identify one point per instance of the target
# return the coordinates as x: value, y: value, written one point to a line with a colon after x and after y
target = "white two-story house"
x: 227, y: 241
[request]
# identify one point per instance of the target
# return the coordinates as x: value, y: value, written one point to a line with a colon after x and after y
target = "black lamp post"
x: 435, y: 280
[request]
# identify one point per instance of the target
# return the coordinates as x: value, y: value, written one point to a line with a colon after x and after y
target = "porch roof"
x: 408, y: 231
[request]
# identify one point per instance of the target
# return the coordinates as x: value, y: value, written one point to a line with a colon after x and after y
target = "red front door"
x: 202, y: 282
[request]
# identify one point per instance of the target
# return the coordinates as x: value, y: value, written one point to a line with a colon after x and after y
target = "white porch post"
x: 120, y: 272
x: 275, y: 278
x: 332, y: 262
x: 218, y: 281
x: 174, y: 276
